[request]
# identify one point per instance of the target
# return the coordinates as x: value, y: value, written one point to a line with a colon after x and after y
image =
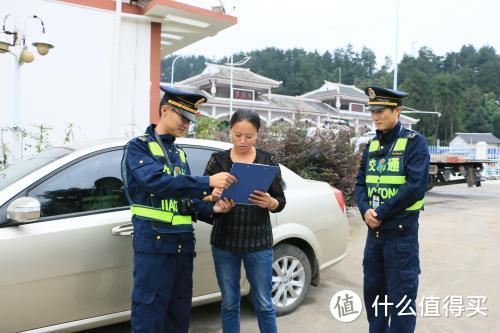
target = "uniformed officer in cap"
x: 165, y: 199
x: 390, y: 189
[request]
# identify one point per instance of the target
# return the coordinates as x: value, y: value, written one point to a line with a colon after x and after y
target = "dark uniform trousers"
x: 163, y: 285
x: 391, y: 267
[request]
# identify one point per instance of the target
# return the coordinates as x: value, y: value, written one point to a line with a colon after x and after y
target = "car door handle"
x: 123, y: 230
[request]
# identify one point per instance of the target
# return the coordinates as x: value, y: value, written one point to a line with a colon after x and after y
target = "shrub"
x: 212, y: 129
x: 325, y: 155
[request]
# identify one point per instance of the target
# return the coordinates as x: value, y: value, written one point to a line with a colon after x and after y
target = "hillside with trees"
x: 464, y: 86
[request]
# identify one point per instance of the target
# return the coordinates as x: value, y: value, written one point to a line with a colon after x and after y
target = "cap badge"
x: 371, y: 93
x: 199, y: 102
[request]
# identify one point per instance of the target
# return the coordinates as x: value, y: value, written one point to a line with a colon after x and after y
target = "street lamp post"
x: 172, y: 71
x: 13, y: 41
x: 438, y: 114
x: 239, y: 63
x: 231, y: 89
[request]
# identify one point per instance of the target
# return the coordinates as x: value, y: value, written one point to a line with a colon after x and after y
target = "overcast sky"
x: 442, y: 25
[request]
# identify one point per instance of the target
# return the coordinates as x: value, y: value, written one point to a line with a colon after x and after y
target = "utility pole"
x: 395, y: 85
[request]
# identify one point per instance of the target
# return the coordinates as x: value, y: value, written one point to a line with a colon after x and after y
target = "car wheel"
x: 291, y: 278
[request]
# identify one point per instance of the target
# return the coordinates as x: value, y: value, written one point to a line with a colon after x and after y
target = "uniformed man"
x: 165, y: 200
x: 390, y: 189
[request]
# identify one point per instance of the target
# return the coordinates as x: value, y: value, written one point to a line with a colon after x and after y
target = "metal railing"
x: 467, y: 153
x: 492, y: 168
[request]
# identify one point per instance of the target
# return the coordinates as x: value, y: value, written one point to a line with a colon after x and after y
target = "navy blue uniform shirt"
x: 416, y: 169
x: 144, y: 176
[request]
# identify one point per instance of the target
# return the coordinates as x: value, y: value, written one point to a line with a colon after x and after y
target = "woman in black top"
x: 245, y: 232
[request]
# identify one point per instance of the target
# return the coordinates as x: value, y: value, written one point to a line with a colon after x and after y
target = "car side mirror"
x: 24, y: 209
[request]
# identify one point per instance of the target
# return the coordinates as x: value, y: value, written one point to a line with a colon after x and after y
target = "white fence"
x: 493, y: 168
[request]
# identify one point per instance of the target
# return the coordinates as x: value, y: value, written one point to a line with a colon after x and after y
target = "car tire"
x: 291, y: 278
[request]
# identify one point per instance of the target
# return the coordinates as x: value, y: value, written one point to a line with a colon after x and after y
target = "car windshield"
x: 25, y: 167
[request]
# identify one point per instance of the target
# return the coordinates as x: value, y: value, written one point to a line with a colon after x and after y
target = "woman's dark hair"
x: 249, y: 115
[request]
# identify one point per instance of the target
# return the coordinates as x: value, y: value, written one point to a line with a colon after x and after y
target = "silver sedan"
x: 65, y: 239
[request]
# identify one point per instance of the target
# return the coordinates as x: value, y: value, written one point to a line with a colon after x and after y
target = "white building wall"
x: 73, y: 83
x: 133, y: 78
x: 458, y: 142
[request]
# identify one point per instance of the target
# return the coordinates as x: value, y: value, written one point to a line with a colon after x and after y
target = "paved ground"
x: 459, y: 249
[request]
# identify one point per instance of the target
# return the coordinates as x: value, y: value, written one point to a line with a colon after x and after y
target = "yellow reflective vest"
x: 163, y: 210
x: 385, y: 174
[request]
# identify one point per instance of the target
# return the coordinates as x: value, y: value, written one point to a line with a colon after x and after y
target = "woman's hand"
x: 216, y: 193
x: 224, y: 206
x: 263, y: 200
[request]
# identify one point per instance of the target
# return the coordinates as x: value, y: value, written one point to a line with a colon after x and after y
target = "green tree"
x: 41, y: 137
x: 4, y: 148
x: 185, y: 67
x: 69, y: 135
x: 496, y: 124
x: 488, y: 77
x: 210, y: 128
x: 452, y: 84
x: 449, y: 99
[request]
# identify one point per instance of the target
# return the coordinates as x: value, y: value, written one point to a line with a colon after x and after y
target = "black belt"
x: 398, y: 231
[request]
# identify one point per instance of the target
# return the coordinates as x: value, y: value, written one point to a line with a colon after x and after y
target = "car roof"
x: 82, y: 148
x: 97, y: 144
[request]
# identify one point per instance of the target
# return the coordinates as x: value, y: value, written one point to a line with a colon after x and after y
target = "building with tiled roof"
x: 331, y: 103
x: 221, y: 75
x: 350, y: 102
x: 461, y: 140
x: 332, y: 93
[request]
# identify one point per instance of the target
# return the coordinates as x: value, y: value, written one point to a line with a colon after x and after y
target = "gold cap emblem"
x: 199, y: 102
x: 371, y: 93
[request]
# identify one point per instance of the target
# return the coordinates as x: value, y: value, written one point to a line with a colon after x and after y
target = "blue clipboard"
x: 251, y: 177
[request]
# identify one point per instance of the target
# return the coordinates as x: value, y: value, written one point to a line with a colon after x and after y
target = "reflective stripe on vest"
x: 389, y: 183
x: 155, y: 149
x: 162, y: 214
x: 374, y: 146
x: 401, y: 144
x: 417, y: 205
x: 182, y: 155
x: 390, y: 180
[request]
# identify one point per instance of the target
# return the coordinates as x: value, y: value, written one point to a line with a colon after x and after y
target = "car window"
x: 197, y: 159
x: 22, y: 169
x: 90, y: 184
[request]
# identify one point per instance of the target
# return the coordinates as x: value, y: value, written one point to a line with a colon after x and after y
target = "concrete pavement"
x: 459, y: 250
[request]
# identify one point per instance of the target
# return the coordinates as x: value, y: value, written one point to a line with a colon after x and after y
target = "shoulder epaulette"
x: 411, y: 134
x: 143, y: 138
x: 179, y: 148
x: 371, y: 139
